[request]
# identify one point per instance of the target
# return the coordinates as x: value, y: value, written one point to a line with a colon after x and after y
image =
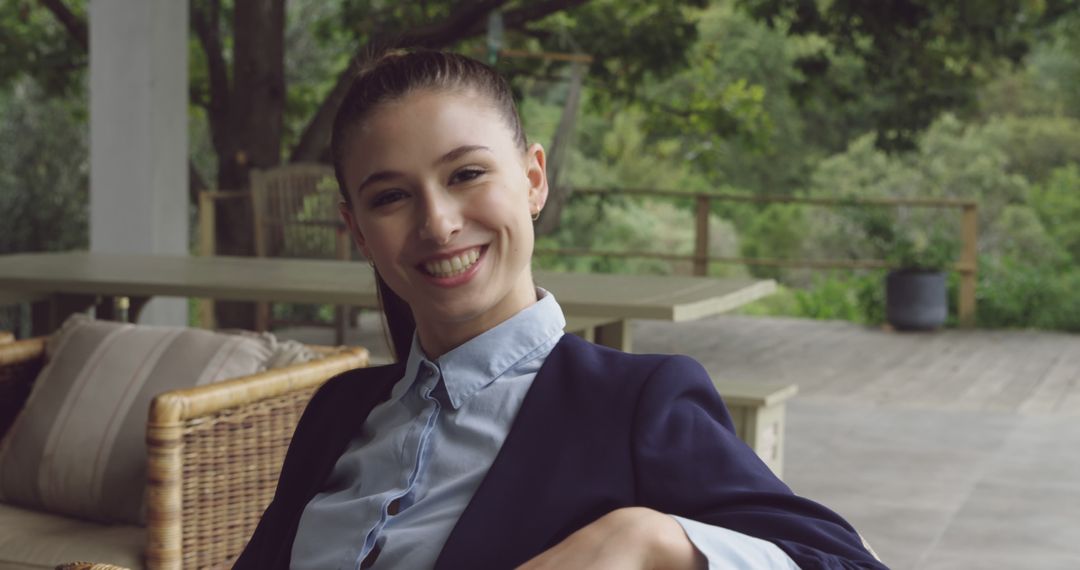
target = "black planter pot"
x: 915, y: 299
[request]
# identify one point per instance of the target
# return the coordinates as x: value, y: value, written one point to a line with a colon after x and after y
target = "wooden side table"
x: 758, y: 412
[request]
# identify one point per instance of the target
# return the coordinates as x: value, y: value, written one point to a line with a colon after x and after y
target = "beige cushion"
x: 78, y: 446
x: 31, y: 539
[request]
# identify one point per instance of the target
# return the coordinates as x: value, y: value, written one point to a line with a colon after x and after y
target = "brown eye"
x: 387, y: 197
x: 465, y: 175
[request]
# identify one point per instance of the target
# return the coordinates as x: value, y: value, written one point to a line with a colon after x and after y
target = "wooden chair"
x: 295, y: 210
x: 214, y: 453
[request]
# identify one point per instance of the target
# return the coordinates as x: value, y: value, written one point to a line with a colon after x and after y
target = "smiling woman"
x: 435, y: 178
x: 495, y: 440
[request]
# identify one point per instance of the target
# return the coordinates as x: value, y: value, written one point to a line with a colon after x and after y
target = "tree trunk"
x: 249, y: 134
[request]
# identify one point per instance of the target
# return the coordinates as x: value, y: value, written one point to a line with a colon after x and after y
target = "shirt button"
x: 394, y: 507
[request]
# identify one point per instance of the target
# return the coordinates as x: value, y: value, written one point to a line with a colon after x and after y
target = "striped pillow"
x: 78, y: 446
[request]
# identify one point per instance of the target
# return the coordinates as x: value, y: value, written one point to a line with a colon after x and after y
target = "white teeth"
x: 453, y: 266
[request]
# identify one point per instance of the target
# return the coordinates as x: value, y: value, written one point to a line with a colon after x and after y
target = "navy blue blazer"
x: 598, y: 430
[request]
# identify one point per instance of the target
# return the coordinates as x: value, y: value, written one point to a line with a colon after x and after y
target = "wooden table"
x: 597, y: 306
x: 604, y: 304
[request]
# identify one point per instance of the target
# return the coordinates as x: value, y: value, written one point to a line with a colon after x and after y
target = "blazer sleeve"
x: 689, y: 462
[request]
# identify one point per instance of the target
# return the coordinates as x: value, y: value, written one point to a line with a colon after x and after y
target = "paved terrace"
x: 948, y: 450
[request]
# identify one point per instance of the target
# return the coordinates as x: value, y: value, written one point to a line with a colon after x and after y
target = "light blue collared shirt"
x: 426, y: 449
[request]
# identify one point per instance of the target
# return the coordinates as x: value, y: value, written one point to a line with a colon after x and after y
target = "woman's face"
x: 441, y: 199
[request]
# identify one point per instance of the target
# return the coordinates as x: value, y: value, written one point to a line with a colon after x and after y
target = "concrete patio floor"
x: 957, y: 449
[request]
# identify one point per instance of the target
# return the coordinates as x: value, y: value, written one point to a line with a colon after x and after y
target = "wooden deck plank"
x: 1028, y: 374
x: 999, y: 370
x: 1070, y: 400
x: 1059, y: 381
x: 983, y: 357
x: 921, y: 353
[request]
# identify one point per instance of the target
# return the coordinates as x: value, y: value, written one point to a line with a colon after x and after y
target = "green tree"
x: 952, y: 160
x: 49, y: 47
x: 730, y: 109
x: 913, y: 58
x: 43, y: 171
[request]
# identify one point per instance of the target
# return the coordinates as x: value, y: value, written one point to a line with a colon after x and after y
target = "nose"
x: 441, y: 217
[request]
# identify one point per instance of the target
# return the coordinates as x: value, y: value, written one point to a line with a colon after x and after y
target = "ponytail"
x: 398, y: 322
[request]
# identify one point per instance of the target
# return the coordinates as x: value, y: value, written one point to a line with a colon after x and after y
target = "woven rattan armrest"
x: 215, y: 453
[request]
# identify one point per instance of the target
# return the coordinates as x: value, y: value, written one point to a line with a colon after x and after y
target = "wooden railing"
x: 208, y: 241
x: 966, y: 266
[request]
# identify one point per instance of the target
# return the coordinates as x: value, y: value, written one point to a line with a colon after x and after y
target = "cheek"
x: 505, y: 209
x: 383, y: 239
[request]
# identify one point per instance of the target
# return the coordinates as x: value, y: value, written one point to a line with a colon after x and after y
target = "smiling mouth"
x: 453, y: 266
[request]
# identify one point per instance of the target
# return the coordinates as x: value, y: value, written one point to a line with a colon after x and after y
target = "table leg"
x: 615, y: 335
x: 137, y: 305
x: 105, y: 309
x: 341, y: 322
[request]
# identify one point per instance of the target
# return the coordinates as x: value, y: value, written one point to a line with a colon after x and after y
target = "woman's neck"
x: 438, y: 338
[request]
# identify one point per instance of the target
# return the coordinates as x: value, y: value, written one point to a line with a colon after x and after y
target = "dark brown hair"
x: 390, y: 77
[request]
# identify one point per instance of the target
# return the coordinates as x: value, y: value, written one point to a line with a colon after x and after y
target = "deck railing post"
x: 969, y: 261
x: 206, y: 223
x: 701, y: 236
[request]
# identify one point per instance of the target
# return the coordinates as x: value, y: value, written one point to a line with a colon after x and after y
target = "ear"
x: 354, y: 229
x: 536, y: 172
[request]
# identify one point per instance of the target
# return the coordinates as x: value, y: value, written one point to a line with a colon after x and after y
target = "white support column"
x: 138, y: 133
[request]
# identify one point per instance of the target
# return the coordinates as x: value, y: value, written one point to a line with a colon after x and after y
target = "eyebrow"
x: 451, y: 156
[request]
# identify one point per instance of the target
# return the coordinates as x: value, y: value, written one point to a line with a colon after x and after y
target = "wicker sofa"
x: 214, y: 454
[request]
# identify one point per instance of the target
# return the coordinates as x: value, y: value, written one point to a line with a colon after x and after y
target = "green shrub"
x: 1057, y: 203
x: 857, y: 297
x: 829, y: 298
x: 782, y: 303
x: 1014, y: 293
x: 773, y: 232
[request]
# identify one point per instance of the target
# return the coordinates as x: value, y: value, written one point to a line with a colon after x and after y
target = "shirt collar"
x: 484, y: 358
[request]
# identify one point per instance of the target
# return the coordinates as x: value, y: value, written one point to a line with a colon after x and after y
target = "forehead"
x: 413, y: 131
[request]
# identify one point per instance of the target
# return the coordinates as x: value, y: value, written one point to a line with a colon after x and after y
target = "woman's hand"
x: 627, y: 538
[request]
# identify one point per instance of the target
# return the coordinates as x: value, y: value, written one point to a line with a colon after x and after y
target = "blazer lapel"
x: 500, y: 525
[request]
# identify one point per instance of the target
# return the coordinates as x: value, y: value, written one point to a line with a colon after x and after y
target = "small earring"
x: 536, y: 215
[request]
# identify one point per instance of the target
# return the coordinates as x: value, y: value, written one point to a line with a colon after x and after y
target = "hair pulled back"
x: 390, y: 77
